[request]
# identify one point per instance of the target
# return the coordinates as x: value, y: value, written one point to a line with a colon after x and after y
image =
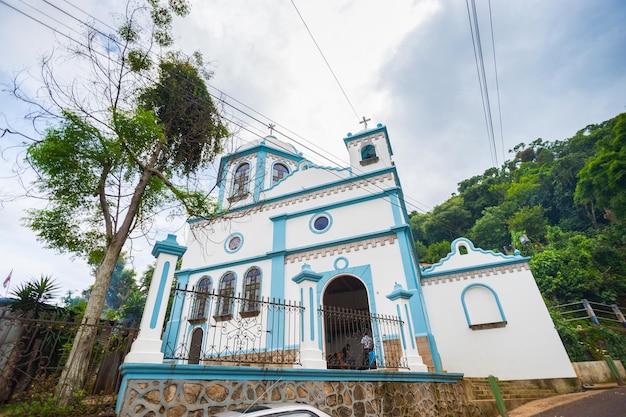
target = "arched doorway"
x: 195, y: 348
x: 347, y: 319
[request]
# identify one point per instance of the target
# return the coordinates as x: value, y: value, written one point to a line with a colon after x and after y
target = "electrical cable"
x: 495, y: 65
x: 482, y: 80
x: 325, y: 60
x: 152, y: 81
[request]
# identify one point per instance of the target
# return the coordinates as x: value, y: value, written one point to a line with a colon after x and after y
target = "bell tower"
x: 370, y: 149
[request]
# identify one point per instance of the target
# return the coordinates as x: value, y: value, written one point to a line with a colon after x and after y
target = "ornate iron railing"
x: 234, y: 330
x: 344, y: 327
x: 34, y: 348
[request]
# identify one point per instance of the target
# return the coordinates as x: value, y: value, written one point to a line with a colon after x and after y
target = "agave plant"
x: 33, y: 296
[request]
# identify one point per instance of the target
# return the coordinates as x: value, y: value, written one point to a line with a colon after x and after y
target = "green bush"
x: 39, y: 401
x: 584, y: 341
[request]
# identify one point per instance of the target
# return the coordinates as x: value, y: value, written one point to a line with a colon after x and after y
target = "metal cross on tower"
x: 364, y: 122
x: 271, y: 126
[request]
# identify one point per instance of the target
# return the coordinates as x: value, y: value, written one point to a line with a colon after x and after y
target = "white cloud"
x: 406, y: 64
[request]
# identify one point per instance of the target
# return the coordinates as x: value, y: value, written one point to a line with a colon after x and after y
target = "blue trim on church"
x: 261, y: 179
x: 310, y: 190
x: 380, y: 128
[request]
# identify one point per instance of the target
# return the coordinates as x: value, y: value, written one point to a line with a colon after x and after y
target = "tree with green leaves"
x: 482, y: 191
x: 567, y: 197
x: 121, y: 286
x: 529, y: 220
x: 447, y: 221
x: 121, y: 145
x: 490, y: 231
x: 602, y: 181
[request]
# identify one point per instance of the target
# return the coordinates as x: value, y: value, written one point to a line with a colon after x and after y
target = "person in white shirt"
x: 367, y: 343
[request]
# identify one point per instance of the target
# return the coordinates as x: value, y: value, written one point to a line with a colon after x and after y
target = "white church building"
x: 303, y: 260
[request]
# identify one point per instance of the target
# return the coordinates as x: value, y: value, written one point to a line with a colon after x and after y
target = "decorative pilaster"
x: 414, y: 360
x: 147, y: 347
x: 311, y: 354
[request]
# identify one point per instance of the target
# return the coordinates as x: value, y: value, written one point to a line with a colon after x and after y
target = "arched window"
x: 200, y: 309
x: 368, y: 152
x: 252, y: 292
x: 482, y: 307
x: 241, y: 180
x: 226, y: 295
x: 279, y: 172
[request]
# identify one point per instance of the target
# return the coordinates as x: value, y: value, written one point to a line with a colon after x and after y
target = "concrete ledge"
x: 597, y: 372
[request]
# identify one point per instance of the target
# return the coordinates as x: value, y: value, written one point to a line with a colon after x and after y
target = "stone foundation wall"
x: 171, y: 390
x: 185, y: 398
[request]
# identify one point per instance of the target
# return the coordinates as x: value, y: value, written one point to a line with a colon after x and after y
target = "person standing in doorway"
x: 367, y: 343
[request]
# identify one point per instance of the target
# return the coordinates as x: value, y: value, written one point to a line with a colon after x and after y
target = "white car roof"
x: 258, y: 410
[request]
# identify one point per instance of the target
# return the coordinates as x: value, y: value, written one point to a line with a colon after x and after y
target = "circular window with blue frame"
x: 233, y: 243
x: 320, y: 223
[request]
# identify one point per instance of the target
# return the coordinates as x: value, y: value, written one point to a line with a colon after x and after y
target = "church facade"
x: 312, y: 260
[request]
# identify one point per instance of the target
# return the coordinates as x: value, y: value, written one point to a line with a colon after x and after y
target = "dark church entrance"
x: 347, y: 323
x: 195, y: 348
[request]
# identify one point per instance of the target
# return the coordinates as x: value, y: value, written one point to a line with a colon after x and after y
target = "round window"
x: 321, y: 223
x: 234, y: 243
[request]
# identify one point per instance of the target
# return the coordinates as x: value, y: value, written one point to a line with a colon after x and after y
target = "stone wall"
x: 151, y: 390
x: 183, y: 398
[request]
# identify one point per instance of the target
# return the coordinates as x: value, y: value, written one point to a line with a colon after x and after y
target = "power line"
x: 482, y: 79
x: 220, y: 99
x: 416, y: 204
x: 495, y: 66
x: 325, y: 60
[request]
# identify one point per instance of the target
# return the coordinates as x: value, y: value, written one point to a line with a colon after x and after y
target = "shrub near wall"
x: 586, y: 342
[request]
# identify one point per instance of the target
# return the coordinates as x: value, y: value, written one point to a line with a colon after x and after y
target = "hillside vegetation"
x: 569, y: 200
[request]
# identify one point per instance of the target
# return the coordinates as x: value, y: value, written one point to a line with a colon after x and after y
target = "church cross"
x: 271, y: 126
x: 364, y: 122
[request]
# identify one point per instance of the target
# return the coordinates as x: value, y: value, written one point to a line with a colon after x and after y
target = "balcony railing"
x: 223, y: 329
x: 236, y: 330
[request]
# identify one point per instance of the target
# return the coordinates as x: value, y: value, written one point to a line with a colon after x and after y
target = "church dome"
x: 269, y: 141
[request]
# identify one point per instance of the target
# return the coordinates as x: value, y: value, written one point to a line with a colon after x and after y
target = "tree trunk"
x: 74, y: 373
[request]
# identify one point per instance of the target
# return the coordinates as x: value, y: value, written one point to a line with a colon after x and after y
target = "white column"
x: 147, y: 347
x: 409, y: 345
x: 311, y: 356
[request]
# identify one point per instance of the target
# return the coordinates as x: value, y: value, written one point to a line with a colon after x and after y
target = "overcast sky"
x: 410, y: 65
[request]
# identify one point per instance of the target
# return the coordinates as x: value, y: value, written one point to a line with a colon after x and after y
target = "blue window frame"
x: 320, y: 223
x: 242, y: 179
x: 279, y: 171
x: 252, y: 291
x: 226, y: 295
x: 200, y: 308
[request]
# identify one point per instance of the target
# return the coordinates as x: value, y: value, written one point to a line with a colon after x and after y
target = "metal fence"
x: 597, y: 313
x: 34, y: 349
x: 234, y: 330
x: 351, y: 328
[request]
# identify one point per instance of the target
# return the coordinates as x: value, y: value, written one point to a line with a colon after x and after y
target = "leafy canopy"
x: 568, y: 197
